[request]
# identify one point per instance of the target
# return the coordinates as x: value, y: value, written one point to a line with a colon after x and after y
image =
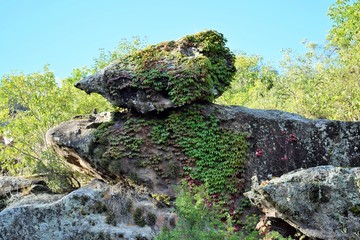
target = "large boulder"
x: 157, y: 150
x: 170, y: 74
x: 97, y: 211
x: 322, y: 202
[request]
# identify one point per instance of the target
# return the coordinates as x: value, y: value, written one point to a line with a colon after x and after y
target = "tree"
x: 345, y: 15
x: 322, y: 83
x: 31, y: 104
x: 253, y: 80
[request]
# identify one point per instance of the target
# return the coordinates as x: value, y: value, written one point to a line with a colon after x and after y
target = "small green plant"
x: 277, y: 236
x: 134, y: 178
x: 110, y: 218
x: 173, y: 169
x: 116, y: 167
x: 355, y: 210
x: 159, y: 134
x: 198, y: 221
x: 139, y: 218
x: 161, y: 198
x: 99, y: 207
x: 3, y: 203
x: 151, y: 219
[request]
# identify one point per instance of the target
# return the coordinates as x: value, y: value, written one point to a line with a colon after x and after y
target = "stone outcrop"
x: 14, y: 188
x: 97, y: 211
x: 170, y: 74
x: 278, y: 143
x: 169, y: 132
x: 78, y: 137
x: 142, y: 149
x: 322, y: 202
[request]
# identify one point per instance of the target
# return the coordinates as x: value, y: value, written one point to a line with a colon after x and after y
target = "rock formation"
x: 322, y: 202
x: 97, y: 211
x: 145, y: 148
x: 277, y: 143
x: 14, y: 188
x: 194, y: 68
x: 171, y: 132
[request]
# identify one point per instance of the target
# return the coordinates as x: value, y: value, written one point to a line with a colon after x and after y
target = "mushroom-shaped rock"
x: 196, y: 67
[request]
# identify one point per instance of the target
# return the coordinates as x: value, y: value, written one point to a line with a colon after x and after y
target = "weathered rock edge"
x: 14, y: 188
x: 322, y: 202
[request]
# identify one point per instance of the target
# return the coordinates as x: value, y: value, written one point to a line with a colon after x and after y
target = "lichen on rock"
x: 96, y: 211
x: 196, y: 67
x: 322, y: 202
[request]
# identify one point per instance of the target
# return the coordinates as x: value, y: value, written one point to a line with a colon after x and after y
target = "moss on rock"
x: 184, y: 143
x: 196, y: 67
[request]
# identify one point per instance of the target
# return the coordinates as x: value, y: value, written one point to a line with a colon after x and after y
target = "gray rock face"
x: 13, y: 188
x: 194, y: 68
x: 322, y: 202
x: 97, y: 211
x: 280, y: 142
x: 78, y: 136
x: 10, y: 185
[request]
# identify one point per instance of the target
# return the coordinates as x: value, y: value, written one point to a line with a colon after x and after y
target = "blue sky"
x: 68, y: 34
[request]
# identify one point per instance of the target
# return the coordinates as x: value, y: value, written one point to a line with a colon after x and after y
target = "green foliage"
x: 212, y: 44
x: 199, y: 222
x: 276, y: 236
x: 253, y: 79
x: 60, y: 178
x: 313, y: 85
x: 151, y: 219
x: 159, y: 134
x: 123, y: 49
x: 218, y: 155
x: 110, y: 218
x: 322, y: 83
x: 165, y: 68
x: 139, y: 219
x: 346, y: 23
x: 355, y: 210
x: 31, y: 104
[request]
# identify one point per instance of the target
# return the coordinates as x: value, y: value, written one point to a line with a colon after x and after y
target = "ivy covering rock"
x: 196, y: 67
x: 214, y: 146
x: 171, y: 135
